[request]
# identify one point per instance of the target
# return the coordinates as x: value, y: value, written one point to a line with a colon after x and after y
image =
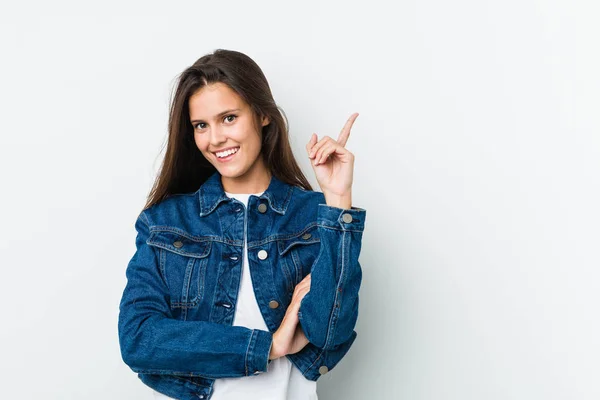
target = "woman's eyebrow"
x: 218, y: 115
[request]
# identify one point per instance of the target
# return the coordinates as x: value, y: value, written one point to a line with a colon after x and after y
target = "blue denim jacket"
x: 176, y: 312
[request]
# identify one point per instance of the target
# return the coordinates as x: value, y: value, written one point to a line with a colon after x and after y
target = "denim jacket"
x: 176, y: 312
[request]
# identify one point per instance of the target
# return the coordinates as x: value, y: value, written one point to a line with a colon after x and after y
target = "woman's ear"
x: 265, y: 121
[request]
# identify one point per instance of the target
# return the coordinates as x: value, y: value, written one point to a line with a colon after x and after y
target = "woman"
x: 245, y: 281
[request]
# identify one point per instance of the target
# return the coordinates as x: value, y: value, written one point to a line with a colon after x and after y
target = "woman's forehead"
x: 213, y: 101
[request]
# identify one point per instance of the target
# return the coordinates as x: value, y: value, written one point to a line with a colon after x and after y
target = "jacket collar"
x: 211, y: 193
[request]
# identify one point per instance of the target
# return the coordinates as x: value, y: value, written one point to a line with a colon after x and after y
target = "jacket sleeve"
x: 329, y: 311
x: 151, y: 341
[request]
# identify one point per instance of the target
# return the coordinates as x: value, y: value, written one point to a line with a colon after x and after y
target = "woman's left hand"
x: 332, y: 162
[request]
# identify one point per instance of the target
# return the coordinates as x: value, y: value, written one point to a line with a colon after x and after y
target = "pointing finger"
x: 345, y: 133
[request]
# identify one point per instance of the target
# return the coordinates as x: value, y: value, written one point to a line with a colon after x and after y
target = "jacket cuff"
x: 352, y: 219
x: 257, y: 358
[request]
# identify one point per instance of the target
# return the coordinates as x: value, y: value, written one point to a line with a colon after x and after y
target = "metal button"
x: 262, y: 207
x: 178, y: 244
x: 273, y: 304
x: 234, y: 258
x: 347, y: 218
x: 262, y: 254
x: 306, y: 236
x: 323, y: 370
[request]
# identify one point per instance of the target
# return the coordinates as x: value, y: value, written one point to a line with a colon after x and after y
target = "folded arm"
x: 152, y: 341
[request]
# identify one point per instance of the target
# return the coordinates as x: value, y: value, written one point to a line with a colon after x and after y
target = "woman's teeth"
x: 227, y: 152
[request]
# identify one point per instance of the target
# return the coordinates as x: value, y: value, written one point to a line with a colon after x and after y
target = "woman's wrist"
x: 274, y: 353
x: 339, y: 201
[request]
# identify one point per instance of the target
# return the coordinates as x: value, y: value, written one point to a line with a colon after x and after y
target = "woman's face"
x: 225, y: 133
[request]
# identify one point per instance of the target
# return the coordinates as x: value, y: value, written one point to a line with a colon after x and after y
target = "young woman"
x: 244, y: 283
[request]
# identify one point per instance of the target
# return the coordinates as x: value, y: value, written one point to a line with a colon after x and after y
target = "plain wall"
x: 477, y: 158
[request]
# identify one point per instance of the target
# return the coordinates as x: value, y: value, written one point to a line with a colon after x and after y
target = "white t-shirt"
x: 282, y: 381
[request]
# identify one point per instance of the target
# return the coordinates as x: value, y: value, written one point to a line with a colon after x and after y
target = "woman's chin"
x: 229, y: 171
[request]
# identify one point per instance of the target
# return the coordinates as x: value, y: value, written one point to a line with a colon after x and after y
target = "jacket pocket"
x: 183, y: 260
x: 298, y: 252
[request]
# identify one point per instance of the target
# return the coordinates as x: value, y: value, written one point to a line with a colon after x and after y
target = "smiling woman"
x: 231, y: 142
x: 245, y: 281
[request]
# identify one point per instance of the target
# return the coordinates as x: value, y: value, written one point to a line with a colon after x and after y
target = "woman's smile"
x: 227, y: 155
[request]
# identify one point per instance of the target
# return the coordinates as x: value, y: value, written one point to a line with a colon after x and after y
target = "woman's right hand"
x: 289, y: 337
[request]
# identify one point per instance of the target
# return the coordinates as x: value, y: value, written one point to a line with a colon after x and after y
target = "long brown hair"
x: 184, y: 169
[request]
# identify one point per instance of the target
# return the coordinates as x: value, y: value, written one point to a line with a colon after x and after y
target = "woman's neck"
x: 249, y: 183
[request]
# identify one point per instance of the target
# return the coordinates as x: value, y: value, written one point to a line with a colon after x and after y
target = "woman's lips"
x: 228, y: 158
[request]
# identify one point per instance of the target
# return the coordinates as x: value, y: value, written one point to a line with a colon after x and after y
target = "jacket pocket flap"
x: 306, y: 236
x: 179, y: 244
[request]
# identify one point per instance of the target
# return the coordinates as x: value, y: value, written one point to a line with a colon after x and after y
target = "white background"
x: 477, y: 158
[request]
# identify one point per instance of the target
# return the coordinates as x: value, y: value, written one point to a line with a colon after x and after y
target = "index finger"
x: 345, y: 133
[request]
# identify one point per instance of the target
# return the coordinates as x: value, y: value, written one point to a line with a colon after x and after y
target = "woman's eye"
x: 201, y: 125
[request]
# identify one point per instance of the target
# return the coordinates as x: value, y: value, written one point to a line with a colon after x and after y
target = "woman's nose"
x: 216, y: 137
